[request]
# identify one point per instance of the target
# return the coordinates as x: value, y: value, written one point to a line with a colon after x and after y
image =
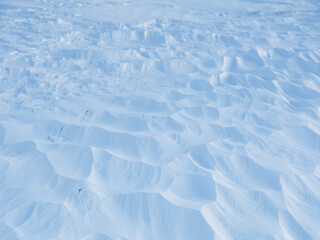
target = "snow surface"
x: 148, y: 119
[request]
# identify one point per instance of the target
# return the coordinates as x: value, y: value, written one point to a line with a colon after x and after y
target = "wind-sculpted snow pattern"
x: 142, y: 120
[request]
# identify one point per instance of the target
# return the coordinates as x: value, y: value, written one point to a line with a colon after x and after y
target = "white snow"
x: 139, y: 120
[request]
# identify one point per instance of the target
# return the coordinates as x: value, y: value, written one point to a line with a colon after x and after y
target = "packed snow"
x: 159, y: 120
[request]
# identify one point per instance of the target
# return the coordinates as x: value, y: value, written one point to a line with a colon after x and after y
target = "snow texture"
x: 159, y: 120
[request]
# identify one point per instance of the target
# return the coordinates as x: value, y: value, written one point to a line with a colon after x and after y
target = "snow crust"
x: 159, y: 120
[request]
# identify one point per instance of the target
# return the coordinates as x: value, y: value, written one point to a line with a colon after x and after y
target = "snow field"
x: 147, y: 120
